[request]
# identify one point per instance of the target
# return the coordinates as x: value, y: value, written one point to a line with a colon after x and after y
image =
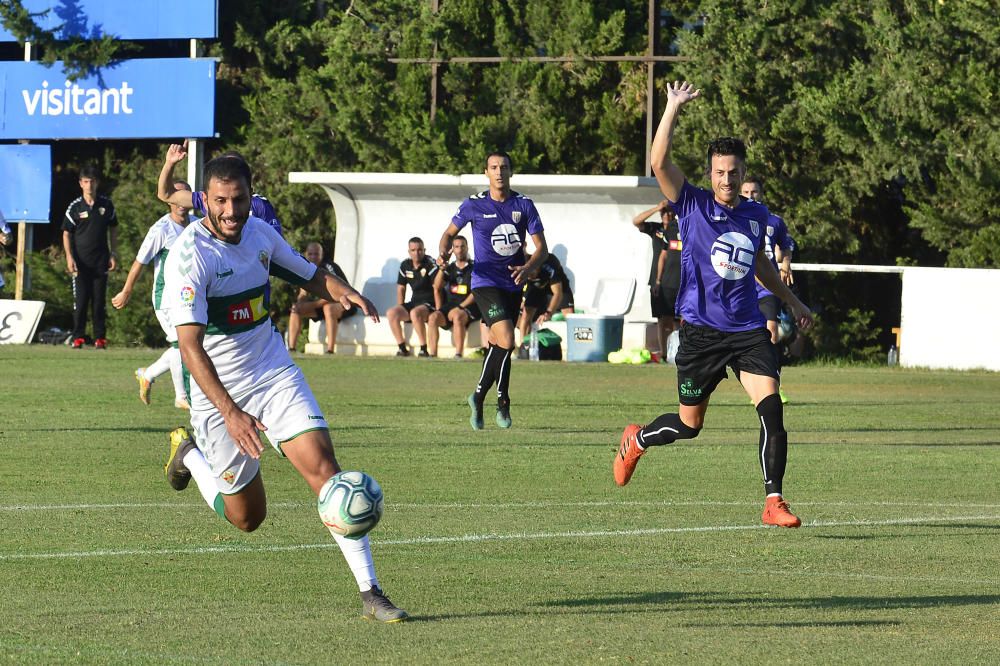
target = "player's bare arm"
x: 554, y: 301
x: 641, y: 218
x: 121, y: 299
x: 242, y: 427
x: 165, y: 183
x: 331, y: 288
x: 113, y: 261
x: 444, y: 246
x: 439, y: 289
x: 767, y: 276
x: 70, y: 262
x: 529, y: 269
x: 668, y: 175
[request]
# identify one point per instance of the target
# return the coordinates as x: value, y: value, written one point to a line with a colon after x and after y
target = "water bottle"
x: 533, y: 345
x: 893, y: 356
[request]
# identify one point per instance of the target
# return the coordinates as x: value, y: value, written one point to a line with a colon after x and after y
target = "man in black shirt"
x: 417, y: 272
x: 545, y: 294
x: 665, y: 270
x: 455, y: 306
x: 90, y: 220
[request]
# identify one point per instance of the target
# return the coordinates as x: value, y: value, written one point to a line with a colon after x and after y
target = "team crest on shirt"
x: 505, y: 240
x: 754, y: 228
x: 101, y: 210
x: 516, y: 216
x: 264, y: 259
x: 732, y: 256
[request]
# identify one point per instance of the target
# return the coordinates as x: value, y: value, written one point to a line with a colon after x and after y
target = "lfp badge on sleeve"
x: 19, y: 320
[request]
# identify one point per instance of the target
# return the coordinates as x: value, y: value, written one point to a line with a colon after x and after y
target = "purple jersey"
x: 777, y: 236
x: 720, y: 248
x: 498, y: 232
x: 259, y: 207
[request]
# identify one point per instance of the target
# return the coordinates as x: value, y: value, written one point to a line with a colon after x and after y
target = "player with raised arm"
x: 259, y: 206
x: 245, y: 382
x: 154, y: 249
x: 722, y: 325
x: 500, y: 219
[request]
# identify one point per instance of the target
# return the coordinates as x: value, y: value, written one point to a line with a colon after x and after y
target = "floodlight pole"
x: 652, y: 35
x: 195, y: 154
x: 25, y: 231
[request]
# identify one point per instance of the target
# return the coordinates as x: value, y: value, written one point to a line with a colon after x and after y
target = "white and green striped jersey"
x: 222, y: 286
x: 154, y: 249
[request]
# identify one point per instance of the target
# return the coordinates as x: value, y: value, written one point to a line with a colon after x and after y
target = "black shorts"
x: 498, y: 304
x: 705, y: 352
x: 472, y: 310
x: 416, y: 303
x: 539, y: 299
x: 663, y: 301
x: 769, y: 306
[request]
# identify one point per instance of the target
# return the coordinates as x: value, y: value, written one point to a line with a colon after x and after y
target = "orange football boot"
x: 776, y: 512
x: 628, y: 454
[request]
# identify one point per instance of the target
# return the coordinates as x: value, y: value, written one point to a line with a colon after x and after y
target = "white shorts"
x: 286, y: 407
x: 168, y: 330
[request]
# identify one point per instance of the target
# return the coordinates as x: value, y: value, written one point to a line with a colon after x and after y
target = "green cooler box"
x: 593, y: 337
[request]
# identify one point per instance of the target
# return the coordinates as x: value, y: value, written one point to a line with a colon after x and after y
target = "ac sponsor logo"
x: 732, y: 256
x: 505, y: 240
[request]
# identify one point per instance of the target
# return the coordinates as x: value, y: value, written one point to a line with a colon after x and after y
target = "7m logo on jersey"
x: 246, y: 312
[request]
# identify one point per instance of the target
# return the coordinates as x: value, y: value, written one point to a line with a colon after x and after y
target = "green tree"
x: 79, y: 55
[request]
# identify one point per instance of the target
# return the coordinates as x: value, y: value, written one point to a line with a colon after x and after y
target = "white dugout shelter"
x: 587, y: 222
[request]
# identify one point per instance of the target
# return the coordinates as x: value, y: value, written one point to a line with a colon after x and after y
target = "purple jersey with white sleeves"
x: 259, y: 207
x: 498, y: 233
x: 777, y: 236
x: 720, y: 248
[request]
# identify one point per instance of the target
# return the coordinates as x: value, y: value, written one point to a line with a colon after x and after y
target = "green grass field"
x: 509, y: 547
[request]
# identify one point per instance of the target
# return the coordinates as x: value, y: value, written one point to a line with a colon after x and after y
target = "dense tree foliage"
x: 874, y: 126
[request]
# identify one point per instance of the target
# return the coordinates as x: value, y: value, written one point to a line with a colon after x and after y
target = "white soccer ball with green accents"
x: 350, y: 504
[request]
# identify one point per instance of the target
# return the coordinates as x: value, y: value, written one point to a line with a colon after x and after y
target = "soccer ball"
x: 350, y: 504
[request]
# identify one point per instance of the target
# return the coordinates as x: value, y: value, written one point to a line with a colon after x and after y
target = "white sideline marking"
x: 486, y: 505
x: 478, y: 538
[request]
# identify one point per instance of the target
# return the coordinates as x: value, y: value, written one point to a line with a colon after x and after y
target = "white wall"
x: 950, y: 318
x: 587, y: 222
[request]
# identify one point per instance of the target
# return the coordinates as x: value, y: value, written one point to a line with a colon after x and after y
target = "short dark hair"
x: 499, y: 153
x: 756, y: 181
x: 726, y: 145
x: 415, y: 239
x: 227, y: 167
x: 461, y: 238
x: 90, y: 171
x: 186, y: 184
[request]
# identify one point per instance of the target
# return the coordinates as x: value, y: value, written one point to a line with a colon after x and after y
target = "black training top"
x: 457, y: 282
x: 88, y: 230
x: 550, y: 272
x: 670, y: 241
x: 419, y: 278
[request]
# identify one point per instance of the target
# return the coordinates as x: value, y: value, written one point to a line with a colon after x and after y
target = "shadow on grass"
x: 719, y: 601
x: 767, y: 625
x: 684, y: 602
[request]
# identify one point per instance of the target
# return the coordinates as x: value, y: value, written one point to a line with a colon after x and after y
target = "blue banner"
x: 132, y: 99
x: 125, y: 19
x: 26, y: 174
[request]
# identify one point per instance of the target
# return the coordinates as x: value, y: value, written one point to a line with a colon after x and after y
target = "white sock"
x: 195, y: 461
x: 358, y: 554
x: 158, y: 367
x: 177, y: 373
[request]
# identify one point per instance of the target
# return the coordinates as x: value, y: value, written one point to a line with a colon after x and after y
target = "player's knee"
x: 248, y: 521
x: 771, y: 415
x: 684, y: 431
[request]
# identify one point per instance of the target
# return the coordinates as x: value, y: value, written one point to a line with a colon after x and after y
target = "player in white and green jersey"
x: 245, y: 383
x: 154, y: 249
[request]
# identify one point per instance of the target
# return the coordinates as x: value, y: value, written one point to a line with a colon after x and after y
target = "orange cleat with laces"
x: 628, y: 454
x: 776, y: 512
